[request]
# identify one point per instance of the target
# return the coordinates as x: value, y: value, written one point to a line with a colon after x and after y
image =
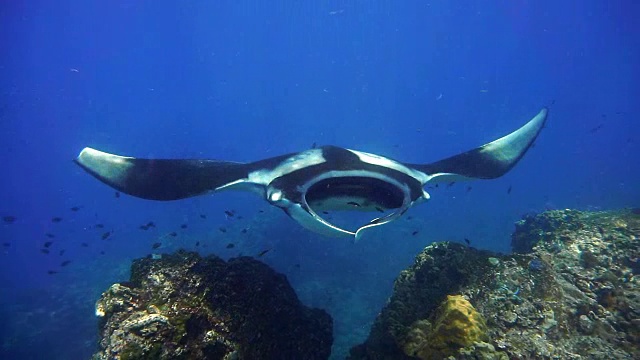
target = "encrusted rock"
x: 572, y: 291
x: 182, y: 306
x: 456, y: 325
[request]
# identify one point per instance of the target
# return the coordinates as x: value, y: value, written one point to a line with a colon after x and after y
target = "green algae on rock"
x: 572, y: 292
x: 183, y: 306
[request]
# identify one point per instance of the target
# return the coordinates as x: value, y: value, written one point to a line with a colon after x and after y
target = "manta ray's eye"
x: 275, y: 196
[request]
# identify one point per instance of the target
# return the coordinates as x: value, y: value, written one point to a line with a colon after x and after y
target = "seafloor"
x: 570, y: 290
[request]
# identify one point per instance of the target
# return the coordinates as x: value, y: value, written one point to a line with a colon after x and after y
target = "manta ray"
x: 314, y: 181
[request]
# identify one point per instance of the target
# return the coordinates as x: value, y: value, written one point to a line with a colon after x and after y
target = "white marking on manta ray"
x: 392, y: 164
x: 295, y: 162
x: 105, y: 164
x: 510, y: 146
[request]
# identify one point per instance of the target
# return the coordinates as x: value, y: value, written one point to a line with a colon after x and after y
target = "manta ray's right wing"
x: 163, y: 179
x: 488, y: 161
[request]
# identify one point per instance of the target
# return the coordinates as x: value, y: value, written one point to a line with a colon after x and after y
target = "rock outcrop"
x: 571, y: 291
x: 183, y: 306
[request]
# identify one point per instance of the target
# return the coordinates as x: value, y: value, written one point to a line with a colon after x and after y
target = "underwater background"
x: 416, y: 81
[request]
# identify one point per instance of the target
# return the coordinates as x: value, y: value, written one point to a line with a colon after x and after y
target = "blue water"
x: 413, y: 80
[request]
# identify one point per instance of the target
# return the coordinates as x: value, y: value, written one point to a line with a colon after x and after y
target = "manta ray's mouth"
x: 352, y: 196
x: 354, y: 193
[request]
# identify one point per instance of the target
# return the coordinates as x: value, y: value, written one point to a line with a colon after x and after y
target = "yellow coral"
x: 457, y: 324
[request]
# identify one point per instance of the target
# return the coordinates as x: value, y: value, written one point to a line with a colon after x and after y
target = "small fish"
x: 75, y: 208
x: 197, y: 243
x: 9, y: 219
x: 353, y: 203
x: 436, y: 185
x: 509, y: 190
x: 297, y: 266
x: 52, y: 272
x: 117, y: 194
x: 263, y: 252
x: 44, y: 251
x: 379, y: 209
x: 229, y: 213
x: 183, y: 226
x: 150, y: 224
x: 244, y: 231
x: 595, y: 129
x: 414, y: 233
x: 65, y: 263
x: 61, y: 252
x: 6, y: 244
x: 469, y: 188
x: 451, y: 184
x: 56, y: 219
x: 156, y: 245
x: 106, y: 235
x: 314, y: 145
x: 203, y: 216
x: 260, y: 211
x: 84, y: 244
x: 239, y: 217
x: 222, y: 229
x: 49, y: 235
x: 48, y: 244
x: 409, y: 217
x: 467, y: 241
x: 143, y: 227
x: 99, y: 226
x: 325, y: 212
x: 230, y: 245
x: 102, y: 252
x: 173, y: 233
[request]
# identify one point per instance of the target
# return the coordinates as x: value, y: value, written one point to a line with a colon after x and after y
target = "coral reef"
x: 571, y: 293
x: 183, y: 306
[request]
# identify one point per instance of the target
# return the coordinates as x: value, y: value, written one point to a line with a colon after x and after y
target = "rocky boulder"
x: 183, y: 306
x: 573, y: 292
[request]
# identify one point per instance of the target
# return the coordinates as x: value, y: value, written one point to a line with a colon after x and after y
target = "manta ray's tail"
x: 160, y: 179
x: 491, y: 160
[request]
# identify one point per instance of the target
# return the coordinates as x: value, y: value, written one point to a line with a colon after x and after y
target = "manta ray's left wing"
x: 163, y: 179
x: 488, y: 161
